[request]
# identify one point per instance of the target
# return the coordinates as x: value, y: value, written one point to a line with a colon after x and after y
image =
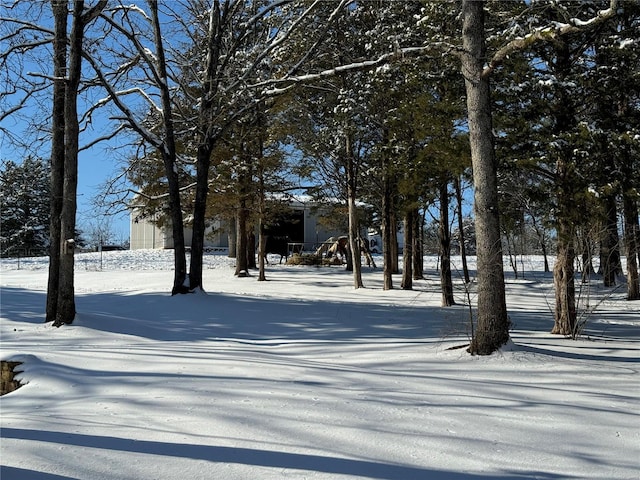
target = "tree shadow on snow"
x: 244, y: 318
x: 251, y: 457
x: 15, y: 473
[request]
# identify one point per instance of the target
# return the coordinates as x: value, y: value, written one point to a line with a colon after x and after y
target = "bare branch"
x: 390, y: 57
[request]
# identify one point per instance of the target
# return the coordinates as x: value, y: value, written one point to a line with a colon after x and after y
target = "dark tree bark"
x: 418, y: 247
x: 463, y: 247
x: 387, y: 246
x: 407, y: 253
x: 242, y: 235
x: 610, y: 261
x: 60, y: 12
x: 388, y: 227
x: 631, y: 238
x: 446, y: 282
x: 354, y: 233
x: 566, y: 193
x: 169, y: 156
x: 208, y: 136
x: 66, y: 310
x: 393, y: 242
x: 493, y: 323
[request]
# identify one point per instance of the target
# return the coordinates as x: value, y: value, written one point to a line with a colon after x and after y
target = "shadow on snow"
x: 248, y: 456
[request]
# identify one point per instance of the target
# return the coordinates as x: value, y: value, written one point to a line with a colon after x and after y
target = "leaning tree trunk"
x: 446, y: 282
x: 493, y: 323
x: 60, y: 11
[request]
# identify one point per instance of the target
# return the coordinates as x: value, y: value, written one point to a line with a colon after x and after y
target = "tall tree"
x: 477, y: 66
x: 493, y: 323
x: 136, y: 54
x: 65, y: 149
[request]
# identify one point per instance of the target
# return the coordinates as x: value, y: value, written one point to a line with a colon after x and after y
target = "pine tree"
x: 24, y: 207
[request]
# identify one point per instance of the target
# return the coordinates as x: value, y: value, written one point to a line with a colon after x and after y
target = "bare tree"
x: 67, y: 147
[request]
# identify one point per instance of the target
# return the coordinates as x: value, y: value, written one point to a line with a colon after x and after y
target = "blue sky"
x: 95, y: 167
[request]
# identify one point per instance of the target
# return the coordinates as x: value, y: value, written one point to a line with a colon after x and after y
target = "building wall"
x: 144, y: 234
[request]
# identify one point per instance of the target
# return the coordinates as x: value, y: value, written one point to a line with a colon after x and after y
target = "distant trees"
x: 24, y: 207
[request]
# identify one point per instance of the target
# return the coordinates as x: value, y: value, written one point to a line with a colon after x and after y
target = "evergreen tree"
x: 24, y: 207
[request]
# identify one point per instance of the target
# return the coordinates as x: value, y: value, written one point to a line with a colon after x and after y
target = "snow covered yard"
x: 304, y: 377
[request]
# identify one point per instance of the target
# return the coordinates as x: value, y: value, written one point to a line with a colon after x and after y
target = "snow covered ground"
x: 304, y: 377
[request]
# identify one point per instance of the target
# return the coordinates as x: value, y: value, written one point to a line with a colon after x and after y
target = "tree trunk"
x: 60, y: 12
x: 418, y: 248
x: 563, y: 272
x: 203, y: 162
x: 610, y: 243
x: 407, y: 253
x: 242, y: 268
x: 208, y: 135
x: 66, y: 310
x: 262, y: 244
x: 446, y: 283
x: 388, y: 228
x: 262, y: 237
x: 354, y: 243
x: 463, y: 247
x: 354, y: 233
x: 169, y: 156
x: 493, y: 323
x: 393, y: 240
x: 231, y: 238
x: 631, y: 236
x: 566, y: 214
x: 387, y: 247
x: 251, y: 248
x: 541, y: 240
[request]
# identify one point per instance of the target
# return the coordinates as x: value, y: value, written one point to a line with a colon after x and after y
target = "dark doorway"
x: 289, y: 224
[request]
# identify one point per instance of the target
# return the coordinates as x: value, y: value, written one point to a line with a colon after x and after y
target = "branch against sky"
x: 549, y: 33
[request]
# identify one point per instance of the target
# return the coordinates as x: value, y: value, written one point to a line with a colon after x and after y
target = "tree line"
x: 226, y: 104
